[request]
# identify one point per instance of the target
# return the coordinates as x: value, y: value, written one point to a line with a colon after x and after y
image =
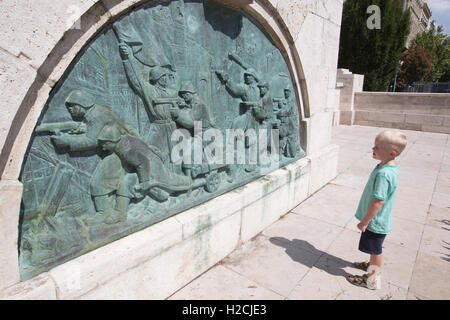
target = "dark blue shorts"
x: 371, y: 243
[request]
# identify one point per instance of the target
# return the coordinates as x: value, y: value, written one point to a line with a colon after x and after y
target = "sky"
x: 440, y: 10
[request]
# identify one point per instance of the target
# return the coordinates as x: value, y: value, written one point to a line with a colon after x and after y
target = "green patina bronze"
x: 99, y: 165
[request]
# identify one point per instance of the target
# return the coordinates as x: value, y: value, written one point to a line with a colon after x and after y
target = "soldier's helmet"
x: 109, y: 133
x: 187, y: 87
x: 156, y: 73
x: 81, y: 98
x: 252, y: 72
x: 264, y: 83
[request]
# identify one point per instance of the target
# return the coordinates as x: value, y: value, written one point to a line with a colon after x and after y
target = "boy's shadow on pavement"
x: 294, y: 250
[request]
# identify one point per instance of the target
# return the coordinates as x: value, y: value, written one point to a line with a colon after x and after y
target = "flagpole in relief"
x: 146, y: 99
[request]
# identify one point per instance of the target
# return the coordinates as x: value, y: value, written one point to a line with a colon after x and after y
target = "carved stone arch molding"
x: 47, y: 211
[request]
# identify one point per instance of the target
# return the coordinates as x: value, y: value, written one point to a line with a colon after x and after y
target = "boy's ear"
x: 394, y: 153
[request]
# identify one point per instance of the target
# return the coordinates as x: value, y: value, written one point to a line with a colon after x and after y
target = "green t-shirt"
x: 382, y: 185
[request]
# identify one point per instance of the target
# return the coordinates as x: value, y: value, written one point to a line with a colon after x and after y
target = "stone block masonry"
x: 411, y: 111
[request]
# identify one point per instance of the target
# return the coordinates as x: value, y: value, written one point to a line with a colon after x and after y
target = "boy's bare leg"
x: 375, y: 260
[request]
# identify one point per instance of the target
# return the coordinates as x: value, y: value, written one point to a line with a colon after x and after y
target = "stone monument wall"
x: 410, y: 111
x: 41, y: 41
x: 349, y: 84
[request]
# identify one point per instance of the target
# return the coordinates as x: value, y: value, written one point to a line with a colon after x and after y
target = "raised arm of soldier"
x: 236, y: 89
x: 135, y: 82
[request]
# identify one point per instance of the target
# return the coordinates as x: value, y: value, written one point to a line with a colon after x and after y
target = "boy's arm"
x: 372, y: 211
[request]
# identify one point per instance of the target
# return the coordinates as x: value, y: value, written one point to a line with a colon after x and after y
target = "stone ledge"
x: 219, y: 208
x: 39, y: 288
x: 274, y: 204
x: 323, y: 167
x: 91, y: 270
x: 347, y: 117
x: 174, y: 268
x: 404, y: 94
x: 407, y: 121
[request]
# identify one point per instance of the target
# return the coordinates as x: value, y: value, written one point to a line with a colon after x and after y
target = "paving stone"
x: 335, y: 195
x: 446, y: 159
x: 346, y: 247
x: 398, y: 264
x: 220, y: 283
x: 361, y: 169
x: 275, y: 265
x: 420, y: 164
x: 436, y: 242
x: 410, y: 176
x: 304, y: 232
x: 443, y: 183
x: 347, y: 157
x: 412, y: 194
x: 350, y: 180
x: 326, y: 213
x: 445, y: 168
x: 388, y: 291
x: 440, y: 200
x: 431, y: 277
x: 327, y: 280
x: 324, y: 281
x: 411, y: 210
x: 351, y: 225
x: 439, y: 217
x: 405, y: 233
x: 415, y: 296
x: 430, y: 152
x: 438, y: 140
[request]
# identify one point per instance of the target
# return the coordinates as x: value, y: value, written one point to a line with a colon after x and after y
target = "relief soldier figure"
x: 285, y: 114
x: 158, y: 98
x: 94, y: 117
x: 263, y: 113
x: 147, y: 161
x: 264, y: 110
x: 247, y: 91
x: 193, y: 110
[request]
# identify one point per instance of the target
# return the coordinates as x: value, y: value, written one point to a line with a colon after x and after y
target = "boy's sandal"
x: 361, y: 265
x: 360, y: 281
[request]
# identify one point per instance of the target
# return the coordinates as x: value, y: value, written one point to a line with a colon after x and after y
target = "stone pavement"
x: 308, y: 253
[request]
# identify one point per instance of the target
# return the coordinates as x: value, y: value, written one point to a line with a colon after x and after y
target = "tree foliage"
x: 437, y: 44
x: 377, y: 52
x: 416, y: 67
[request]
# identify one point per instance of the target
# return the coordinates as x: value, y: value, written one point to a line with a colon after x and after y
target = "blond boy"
x: 375, y: 207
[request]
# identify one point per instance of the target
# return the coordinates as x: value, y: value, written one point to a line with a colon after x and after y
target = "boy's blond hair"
x: 393, y: 139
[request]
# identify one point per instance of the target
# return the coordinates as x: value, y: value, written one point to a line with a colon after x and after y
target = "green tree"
x: 416, y: 67
x: 373, y: 52
x: 437, y: 44
x: 446, y: 76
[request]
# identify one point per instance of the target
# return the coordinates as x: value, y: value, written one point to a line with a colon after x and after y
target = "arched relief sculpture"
x: 142, y: 125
